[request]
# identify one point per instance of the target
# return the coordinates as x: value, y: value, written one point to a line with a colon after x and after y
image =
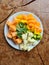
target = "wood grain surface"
x: 40, y: 54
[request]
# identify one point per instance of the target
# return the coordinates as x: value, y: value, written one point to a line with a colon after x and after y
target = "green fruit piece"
x: 39, y: 37
x: 34, y: 36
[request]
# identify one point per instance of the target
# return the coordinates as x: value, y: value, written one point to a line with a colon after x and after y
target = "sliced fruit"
x: 9, y: 35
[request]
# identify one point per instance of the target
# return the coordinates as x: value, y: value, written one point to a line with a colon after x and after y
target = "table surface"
x: 40, y: 54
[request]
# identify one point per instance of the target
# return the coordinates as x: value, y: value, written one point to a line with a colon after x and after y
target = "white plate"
x: 10, y: 42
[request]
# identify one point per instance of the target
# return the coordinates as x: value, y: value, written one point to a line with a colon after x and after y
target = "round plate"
x: 10, y: 42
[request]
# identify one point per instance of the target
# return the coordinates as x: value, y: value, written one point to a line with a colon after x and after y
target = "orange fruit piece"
x: 9, y: 35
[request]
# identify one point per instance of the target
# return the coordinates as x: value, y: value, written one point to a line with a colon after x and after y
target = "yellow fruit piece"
x: 30, y: 17
x: 28, y: 27
x: 24, y: 21
x: 24, y: 16
x: 37, y: 23
x: 37, y: 31
x: 19, y: 16
x: 32, y: 29
x: 16, y: 20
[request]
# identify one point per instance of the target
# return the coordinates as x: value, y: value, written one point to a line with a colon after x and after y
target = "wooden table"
x: 40, y: 54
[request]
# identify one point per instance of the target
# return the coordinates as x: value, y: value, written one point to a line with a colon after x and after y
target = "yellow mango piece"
x: 30, y: 17
x: 19, y: 16
x: 24, y: 21
x: 37, y: 30
x: 24, y: 17
x: 16, y: 20
x: 28, y: 27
